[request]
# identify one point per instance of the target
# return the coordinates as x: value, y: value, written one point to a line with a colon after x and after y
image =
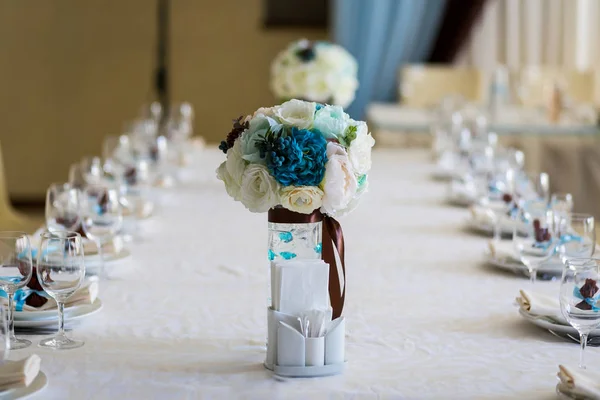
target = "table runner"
x: 185, y: 317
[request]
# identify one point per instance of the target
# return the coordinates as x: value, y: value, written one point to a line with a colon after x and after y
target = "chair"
x: 11, y: 219
x: 536, y: 82
x: 425, y: 85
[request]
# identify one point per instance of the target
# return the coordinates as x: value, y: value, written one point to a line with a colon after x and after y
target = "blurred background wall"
x: 73, y: 69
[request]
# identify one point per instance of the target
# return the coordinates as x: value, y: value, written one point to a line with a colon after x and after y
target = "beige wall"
x: 74, y: 71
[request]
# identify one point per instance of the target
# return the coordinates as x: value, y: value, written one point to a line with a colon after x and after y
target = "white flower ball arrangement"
x: 301, y: 155
x: 315, y: 71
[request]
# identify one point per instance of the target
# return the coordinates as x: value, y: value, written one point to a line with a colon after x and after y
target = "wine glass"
x: 500, y: 199
x: 534, y: 186
x: 60, y: 271
x: 63, y: 207
x: 4, y: 335
x: 92, y: 171
x: 16, y: 268
x: 101, y: 217
x: 577, y: 235
x: 579, y: 298
x: 534, y: 238
x: 561, y: 203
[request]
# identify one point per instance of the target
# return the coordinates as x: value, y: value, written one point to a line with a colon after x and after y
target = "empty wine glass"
x: 534, y: 237
x: 91, y: 168
x: 101, y: 217
x: 60, y: 271
x: 577, y: 236
x: 534, y: 186
x: 561, y: 203
x: 63, y: 207
x: 579, y: 298
x: 16, y: 268
x: 500, y: 199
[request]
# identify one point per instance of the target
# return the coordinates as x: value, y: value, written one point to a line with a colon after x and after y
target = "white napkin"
x: 300, y: 285
x: 14, y: 374
x: 579, y: 382
x: 503, y: 250
x: 463, y: 190
x: 485, y: 216
x: 542, y: 305
x: 86, y: 294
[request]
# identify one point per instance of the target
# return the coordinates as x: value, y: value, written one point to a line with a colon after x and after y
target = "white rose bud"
x: 359, y: 151
x: 339, y: 183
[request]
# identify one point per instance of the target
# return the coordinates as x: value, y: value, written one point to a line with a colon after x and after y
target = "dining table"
x: 185, y: 316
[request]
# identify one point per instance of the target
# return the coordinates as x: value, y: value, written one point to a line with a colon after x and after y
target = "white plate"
x: 487, y: 228
x: 93, y: 261
x: 81, y: 312
x: 553, y: 326
x: 553, y: 267
x: 36, y: 315
x: 40, y: 382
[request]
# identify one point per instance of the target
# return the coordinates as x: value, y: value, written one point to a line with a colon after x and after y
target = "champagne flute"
x: 16, y: 268
x: 60, y: 271
x: 579, y: 298
x: 534, y: 239
x: 577, y: 236
x: 63, y: 207
x: 102, y: 217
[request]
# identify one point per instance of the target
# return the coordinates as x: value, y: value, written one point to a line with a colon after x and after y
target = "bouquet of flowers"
x: 300, y: 155
x: 315, y: 71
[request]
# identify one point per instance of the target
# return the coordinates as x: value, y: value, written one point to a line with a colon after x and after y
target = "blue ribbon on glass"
x: 21, y: 295
x: 590, y: 300
x: 563, y: 239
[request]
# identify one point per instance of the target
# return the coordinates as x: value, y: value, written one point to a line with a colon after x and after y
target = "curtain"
x: 382, y: 35
x: 518, y: 33
x: 455, y: 30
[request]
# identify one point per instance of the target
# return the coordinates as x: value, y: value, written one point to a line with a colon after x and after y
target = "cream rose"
x: 359, y: 150
x: 260, y: 191
x: 300, y: 114
x: 235, y: 164
x: 232, y: 188
x: 301, y: 199
x: 339, y: 183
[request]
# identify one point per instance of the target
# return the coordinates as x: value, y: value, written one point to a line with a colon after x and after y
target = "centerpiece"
x: 304, y: 164
x: 316, y: 71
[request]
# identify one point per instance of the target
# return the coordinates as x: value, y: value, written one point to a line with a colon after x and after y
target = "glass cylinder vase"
x: 293, y: 240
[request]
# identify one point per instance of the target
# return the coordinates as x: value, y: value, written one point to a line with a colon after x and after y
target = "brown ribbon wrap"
x: 333, y: 237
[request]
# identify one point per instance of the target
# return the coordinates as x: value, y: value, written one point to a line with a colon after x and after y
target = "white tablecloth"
x: 186, y: 318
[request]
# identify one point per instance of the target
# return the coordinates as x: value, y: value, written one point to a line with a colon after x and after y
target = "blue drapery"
x: 382, y: 35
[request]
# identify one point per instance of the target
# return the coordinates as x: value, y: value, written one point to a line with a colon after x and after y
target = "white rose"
x: 339, y: 183
x: 266, y: 111
x: 297, y: 113
x: 362, y: 189
x: 232, y: 187
x: 302, y: 199
x: 259, y: 189
x: 235, y: 164
x: 359, y: 150
x: 331, y: 121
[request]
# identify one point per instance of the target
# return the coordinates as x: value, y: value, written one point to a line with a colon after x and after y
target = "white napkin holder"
x: 290, y: 354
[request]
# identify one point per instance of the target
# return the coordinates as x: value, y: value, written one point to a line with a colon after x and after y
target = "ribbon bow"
x: 592, y: 301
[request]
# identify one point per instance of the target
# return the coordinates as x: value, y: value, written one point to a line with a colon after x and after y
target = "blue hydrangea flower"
x: 297, y: 157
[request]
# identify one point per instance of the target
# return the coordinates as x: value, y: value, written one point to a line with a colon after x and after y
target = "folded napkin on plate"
x: 86, y: 294
x: 504, y: 251
x: 541, y: 305
x: 484, y: 215
x: 578, y: 382
x: 15, y: 374
x: 463, y: 190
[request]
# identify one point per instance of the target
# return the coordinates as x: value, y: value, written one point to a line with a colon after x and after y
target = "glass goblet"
x: 101, y: 216
x: 579, y: 298
x: 577, y: 236
x: 60, y: 271
x: 16, y: 267
x: 63, y: 207
x: 534, y: 238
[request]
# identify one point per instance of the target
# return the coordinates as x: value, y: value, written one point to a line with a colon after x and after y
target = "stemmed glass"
x: 91, y: 168
x: 101, y: 216
x: 534, y: 237
x: 577, y: 236
x: 4, y: 335
x: 534, y: 186
x: 579, y: 298
x: 60, y: 271
x: 500, y: 199
x: 16, y: 268
x: 561, y: 203
x: 63, y: 207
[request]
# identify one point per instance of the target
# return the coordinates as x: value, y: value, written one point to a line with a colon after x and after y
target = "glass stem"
x: 61, y: 318
x: 101, y: 254
x: 533, y: 274
x: 583, y: 337
x: 11, y: 317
